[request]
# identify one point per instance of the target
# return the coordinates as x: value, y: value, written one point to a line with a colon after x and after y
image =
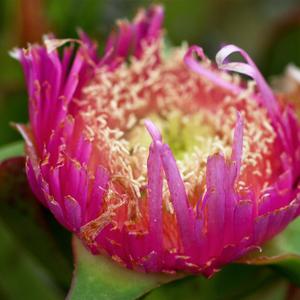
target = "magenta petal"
x: 57, y: 211
x: 34, y: 182
x: 124, y: 42
x: 155, y: 186
x: 73, y: 213
x: 73, y: 77
x: 155, y: 181
x: 243, y: 220
x: 156, y: 15
x: 184, y: 214
x: 99, y: 189
x: 148, y: 27
x: 220, y: 201
x: 53, y: 178
x: 215, y: 202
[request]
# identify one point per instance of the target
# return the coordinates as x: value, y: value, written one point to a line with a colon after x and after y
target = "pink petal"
x: 73, y: 214
x: 155, y: 182
x: 184, y: 214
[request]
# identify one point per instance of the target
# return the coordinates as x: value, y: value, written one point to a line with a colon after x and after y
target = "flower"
x: 161, y: 161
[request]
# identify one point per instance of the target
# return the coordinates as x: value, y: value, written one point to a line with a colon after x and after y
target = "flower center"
x: 185, y: 134
x: 195, y: 118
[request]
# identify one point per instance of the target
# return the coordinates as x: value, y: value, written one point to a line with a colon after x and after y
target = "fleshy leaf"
x: 98, y: 277
x: 282, y: 253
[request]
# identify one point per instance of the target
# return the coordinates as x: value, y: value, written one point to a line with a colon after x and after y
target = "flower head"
x: 157, y: 159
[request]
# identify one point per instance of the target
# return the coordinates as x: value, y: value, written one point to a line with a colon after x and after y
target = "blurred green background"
x: 269, y: 30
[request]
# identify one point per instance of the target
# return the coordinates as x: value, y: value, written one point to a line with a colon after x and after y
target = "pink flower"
x: 155, y: 158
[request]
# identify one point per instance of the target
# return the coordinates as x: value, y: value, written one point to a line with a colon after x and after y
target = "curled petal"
x: 207, y: 72
x: 249, y: 68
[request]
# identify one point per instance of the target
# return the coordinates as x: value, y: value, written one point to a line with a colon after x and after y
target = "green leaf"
x: 282, y: 253
x: 100, y: 278
x: 11, y: 150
